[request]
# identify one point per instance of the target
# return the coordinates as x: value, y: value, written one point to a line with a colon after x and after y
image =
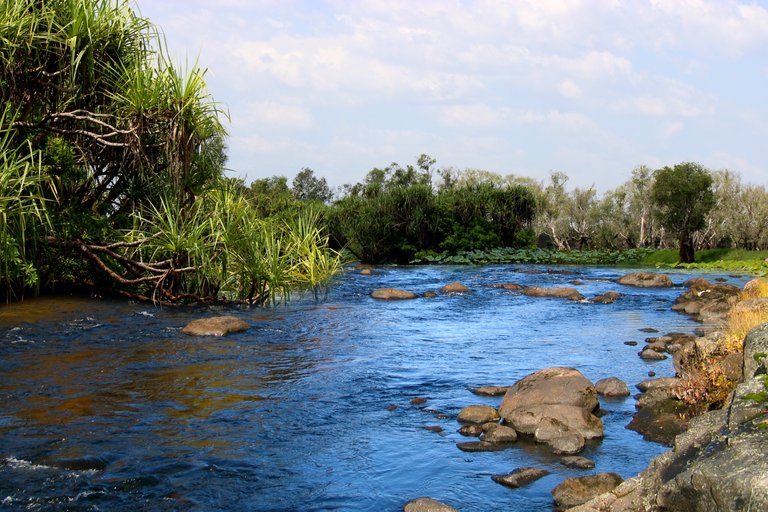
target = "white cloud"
x: 271, y: 113
x: 569, y: 89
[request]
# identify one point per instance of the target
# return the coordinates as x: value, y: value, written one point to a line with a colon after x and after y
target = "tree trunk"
x: 686, y: 248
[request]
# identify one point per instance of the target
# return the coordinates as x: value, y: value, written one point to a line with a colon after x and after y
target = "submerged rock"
x: 490, y: 390
x: 577, y: 462
x: 606, y: 298
x: 520, y: 477
x: 215, y: 326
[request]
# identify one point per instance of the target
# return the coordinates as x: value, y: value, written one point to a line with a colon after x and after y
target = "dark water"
x: 105, y: 405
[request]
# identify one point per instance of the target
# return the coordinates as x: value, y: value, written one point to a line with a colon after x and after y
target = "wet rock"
x: 455, y: 288
x: 560, y: 293
x: 480, y: 446
x: 366, y: 272
x: 661, y: 420
x: 87, y: 463
x: 576, y: 282
x: 651, y: 355
x: 508, y: 286
x: 478, y: 414
x: 427, y: 505
x: 697, y: 282
x: 215, y: 326
x: 658, y: 346
x: 709, y: 304
x: 471, y: 430
x: 559, y: 437
x: 612, y: 387
x: 577, y: 462
x: 631, y: 343
x: 527, y: 420
x: 577, y: 490
x: 429, y: 295
x: 495, y: 433
x: 419, y: 400
x: 520, y: 477
x: 606, y: 298
x: 434, y: 428
x: 490, y: 390
x: 392, y: 294
x: 648, y: 329
x: 646, y: 280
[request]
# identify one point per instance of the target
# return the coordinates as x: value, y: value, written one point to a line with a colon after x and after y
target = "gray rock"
x: 559, y: 437
x: 495, y: 433
x: 520, y: 477
x: 756, y: 343
x: 427, y: 505
x: 577, y: 490
x: 612, y: 387
x: 577, y: 462
x: 215, y: 326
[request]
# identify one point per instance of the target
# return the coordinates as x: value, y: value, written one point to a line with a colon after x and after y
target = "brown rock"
x: 560, y: 293
x: 577, y: 462
x: 478, y: 414
x: 392, y: 294
x: 562, y: 386
x: 526, y: 420
x: 427, y: 505
x: 646, y: 280
x: 455, y: 288
x: 215, y: 326
x: 559, y: 437
x: 606, y: 298
x: 490, y: 390
x: 520, y: 477
x: 508, y: 286
x: 651, y: 355
x: 418, y: 400
x: 480, y: 446
x: 366, y: 272
x: 577, y: 490
x: 611, y: 387
x: 471, y: 430
x: 495, y: 433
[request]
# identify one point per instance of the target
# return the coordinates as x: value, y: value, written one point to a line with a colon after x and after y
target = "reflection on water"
x: 104, y: 405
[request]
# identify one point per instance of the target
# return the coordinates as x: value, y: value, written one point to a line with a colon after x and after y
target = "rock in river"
x: 611, y: 387
x: 454, y: 288
x: 215, y: 326
x: 577, y: 490
x: 392, y: 294
x: 520, y: 477
x: 646, y: 280
x: 427, y: 505
x: 478, y: 414
x: 560, y: 293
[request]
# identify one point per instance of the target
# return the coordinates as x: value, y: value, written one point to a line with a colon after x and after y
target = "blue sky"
x: 590, y: 88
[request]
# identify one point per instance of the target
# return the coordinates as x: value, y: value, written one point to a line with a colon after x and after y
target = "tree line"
x: 400, y: 213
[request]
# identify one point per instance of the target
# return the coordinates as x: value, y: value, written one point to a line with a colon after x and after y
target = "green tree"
x: 308, y: 187
x: 683, y: 195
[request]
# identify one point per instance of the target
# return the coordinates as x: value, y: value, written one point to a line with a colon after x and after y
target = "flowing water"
x: 105, y: 405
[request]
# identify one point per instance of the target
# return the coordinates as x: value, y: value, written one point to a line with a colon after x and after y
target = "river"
x: 105, y: 405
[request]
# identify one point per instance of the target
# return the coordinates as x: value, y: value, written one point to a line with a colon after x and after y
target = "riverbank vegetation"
x: 111, y: 174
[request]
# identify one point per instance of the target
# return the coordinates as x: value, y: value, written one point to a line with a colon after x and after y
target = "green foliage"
x: 535, y: 256
x: 683, y: 195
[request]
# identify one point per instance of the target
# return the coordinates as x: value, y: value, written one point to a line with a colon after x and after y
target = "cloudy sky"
x: 591, y: 88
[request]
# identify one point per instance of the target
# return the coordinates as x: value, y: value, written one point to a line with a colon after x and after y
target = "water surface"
x: 105, y: 405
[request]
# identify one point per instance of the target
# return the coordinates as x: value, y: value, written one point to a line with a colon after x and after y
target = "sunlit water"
x: 105, y: 405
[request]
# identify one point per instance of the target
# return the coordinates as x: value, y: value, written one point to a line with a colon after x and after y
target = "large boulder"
x: 560, y: 293
x: 559, y: 437
x: 215, y: 326
x: 550, y: 386
x: 392, y: 294
x: 577, y: 490
x: 526, y: 420
x: 646, y: 280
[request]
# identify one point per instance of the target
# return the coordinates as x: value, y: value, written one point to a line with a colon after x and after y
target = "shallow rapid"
x: 105, y: 405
